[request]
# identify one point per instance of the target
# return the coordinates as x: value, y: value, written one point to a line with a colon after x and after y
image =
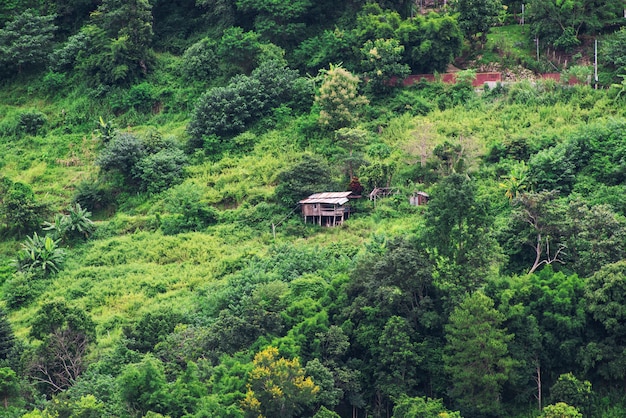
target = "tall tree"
x: 239, y: 50
x: 339, y: 99
x: 458, y: 228
x: 539, y: 216
x: 9, y: 385
x: 395, y: 321
x: 399, y: 357
x: 71, y: 14
x: 606, y: 304
x: 305, y: 177
x: 25, y: 42
x: 278, y: 387
x: 283, y: 23
x: 476, y: 355
x: 614, y: 46
x: 476, y: 17
x: 128, y: 26
x: 546, y: 312
x: 561, y: 22
x: 65, y: 333
x: 143, y: 385
x: 7, y: 338
x: 431, y: 42
x: 595, y: 236
x: 382, y: 64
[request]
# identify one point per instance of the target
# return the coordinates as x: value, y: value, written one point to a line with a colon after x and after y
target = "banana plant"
x: 40, y: 255
x: 75, y: 224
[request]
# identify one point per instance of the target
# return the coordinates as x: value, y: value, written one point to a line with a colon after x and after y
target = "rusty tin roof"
x: 335, y: 198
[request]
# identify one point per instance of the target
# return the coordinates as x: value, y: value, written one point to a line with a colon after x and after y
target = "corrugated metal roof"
x: 335, y: 198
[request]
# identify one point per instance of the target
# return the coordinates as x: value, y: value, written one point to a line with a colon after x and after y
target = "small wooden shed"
x: 419, y: 199
x: 326, y: 209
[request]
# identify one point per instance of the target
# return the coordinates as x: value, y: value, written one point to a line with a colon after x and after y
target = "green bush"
x: 93, y: 195
x: 278, y: 84
x: 31, y: 122
x: 53, y: 82
x: 151, y: 328
x: 555, y: 168
x: 64, y: 57
x: 187, y: 211
x: 224, y: 112
x: 200, y: 61
x: 22, y: 289
x: 310, y: 175
x: 162, y: 170
x: 122, y: 154
x: 19, y: 210
x: 141, y: 97
x: 55, y: 315
x: 412, y: 102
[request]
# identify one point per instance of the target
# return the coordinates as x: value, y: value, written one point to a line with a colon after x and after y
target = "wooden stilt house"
x: 326, y: 209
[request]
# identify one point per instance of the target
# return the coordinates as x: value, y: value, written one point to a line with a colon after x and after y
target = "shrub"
x: 310, y: 175
x: 122, y: 154
x: 200, y: 61
x: 56, y: 315
x: 140, y: 97
x: 159, y: 171
x: 224, y: 112
x: 154, y: 142
x: 91, y: 195
x: 64, y: 58
x: 19, y: 211
x: 277, y: 83
x: 151, y: 328
x: 410, y: 101
x: 31, y: 122
x: 560, y: 410
x: 21, y: 289
x: 54, y: 81
x: 555, y: 168
x: 187, y: 211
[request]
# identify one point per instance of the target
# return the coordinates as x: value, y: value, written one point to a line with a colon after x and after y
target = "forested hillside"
x: 154, y: 260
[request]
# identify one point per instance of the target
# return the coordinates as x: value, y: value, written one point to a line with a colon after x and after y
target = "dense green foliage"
x: 153, y: 262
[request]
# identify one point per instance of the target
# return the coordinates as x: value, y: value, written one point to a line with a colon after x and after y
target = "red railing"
x: 449, y: 78
x: 480, y: 80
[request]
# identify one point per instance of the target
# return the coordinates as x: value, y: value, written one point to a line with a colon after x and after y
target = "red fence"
x: 481, y: 78
x: 557, y: 77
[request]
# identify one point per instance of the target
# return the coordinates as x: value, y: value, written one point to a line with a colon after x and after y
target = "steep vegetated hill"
x: 154, y: 260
